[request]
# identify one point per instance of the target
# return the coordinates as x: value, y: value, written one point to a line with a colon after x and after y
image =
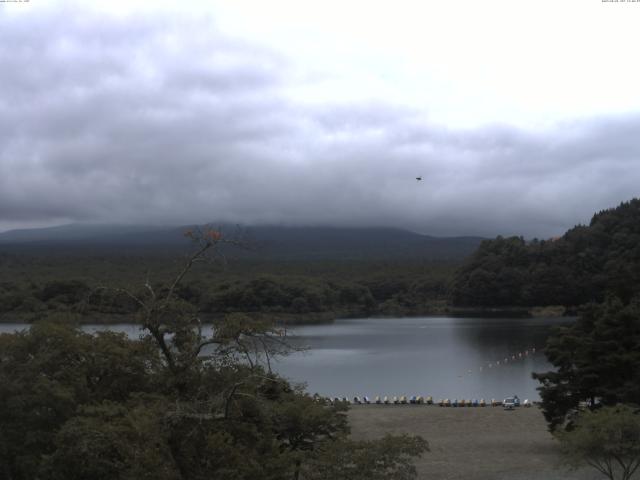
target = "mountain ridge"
x: 270, y: 241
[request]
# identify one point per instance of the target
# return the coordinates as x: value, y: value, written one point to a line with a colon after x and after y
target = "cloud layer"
x: 158, y: 119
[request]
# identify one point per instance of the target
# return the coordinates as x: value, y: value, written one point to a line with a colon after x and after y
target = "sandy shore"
x: 471, y: 443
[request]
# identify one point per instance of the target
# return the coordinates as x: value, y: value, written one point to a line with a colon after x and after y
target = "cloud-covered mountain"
x: 260, y: 242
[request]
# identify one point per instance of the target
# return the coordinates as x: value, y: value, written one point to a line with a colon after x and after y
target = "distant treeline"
x: 584, y: 265
x: 300, y: 292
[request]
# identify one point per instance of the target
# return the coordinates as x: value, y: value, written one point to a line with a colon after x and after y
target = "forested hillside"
x: 585, y: 264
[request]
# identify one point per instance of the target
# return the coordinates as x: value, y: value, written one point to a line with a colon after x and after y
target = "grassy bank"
x: 471, y: 443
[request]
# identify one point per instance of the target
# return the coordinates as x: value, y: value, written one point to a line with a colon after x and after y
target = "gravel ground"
x: 472, y: 443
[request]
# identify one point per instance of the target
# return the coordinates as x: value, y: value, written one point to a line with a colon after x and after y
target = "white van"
x: 509, y: 403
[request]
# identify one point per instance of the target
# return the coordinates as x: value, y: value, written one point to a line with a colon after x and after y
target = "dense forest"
x: 33, y: 288
x: 584, y: 265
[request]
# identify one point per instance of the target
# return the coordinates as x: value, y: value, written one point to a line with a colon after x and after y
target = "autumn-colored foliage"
x: 213, y: 235
x: 209, y: 235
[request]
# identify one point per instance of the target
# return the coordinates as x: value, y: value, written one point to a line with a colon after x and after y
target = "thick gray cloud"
x: 163, y: 119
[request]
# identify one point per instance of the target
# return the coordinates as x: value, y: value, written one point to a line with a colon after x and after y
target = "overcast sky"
x: 522, y: 117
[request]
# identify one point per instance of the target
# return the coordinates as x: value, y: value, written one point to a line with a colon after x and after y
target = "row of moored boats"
x: 419, y: 400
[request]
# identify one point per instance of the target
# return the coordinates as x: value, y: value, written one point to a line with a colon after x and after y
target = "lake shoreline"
x: 313, y: 318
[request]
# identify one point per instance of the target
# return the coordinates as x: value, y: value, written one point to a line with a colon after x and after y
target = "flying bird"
x: 419, y: 178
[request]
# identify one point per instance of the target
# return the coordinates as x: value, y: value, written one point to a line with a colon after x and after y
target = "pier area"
x: 472, y: 443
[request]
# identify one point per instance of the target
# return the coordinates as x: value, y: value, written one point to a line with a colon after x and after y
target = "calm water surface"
x: 439, y: 356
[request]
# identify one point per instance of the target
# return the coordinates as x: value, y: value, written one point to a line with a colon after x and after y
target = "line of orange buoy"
x: 497, y: 363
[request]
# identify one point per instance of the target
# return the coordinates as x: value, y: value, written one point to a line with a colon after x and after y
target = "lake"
x: 440, y: 356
